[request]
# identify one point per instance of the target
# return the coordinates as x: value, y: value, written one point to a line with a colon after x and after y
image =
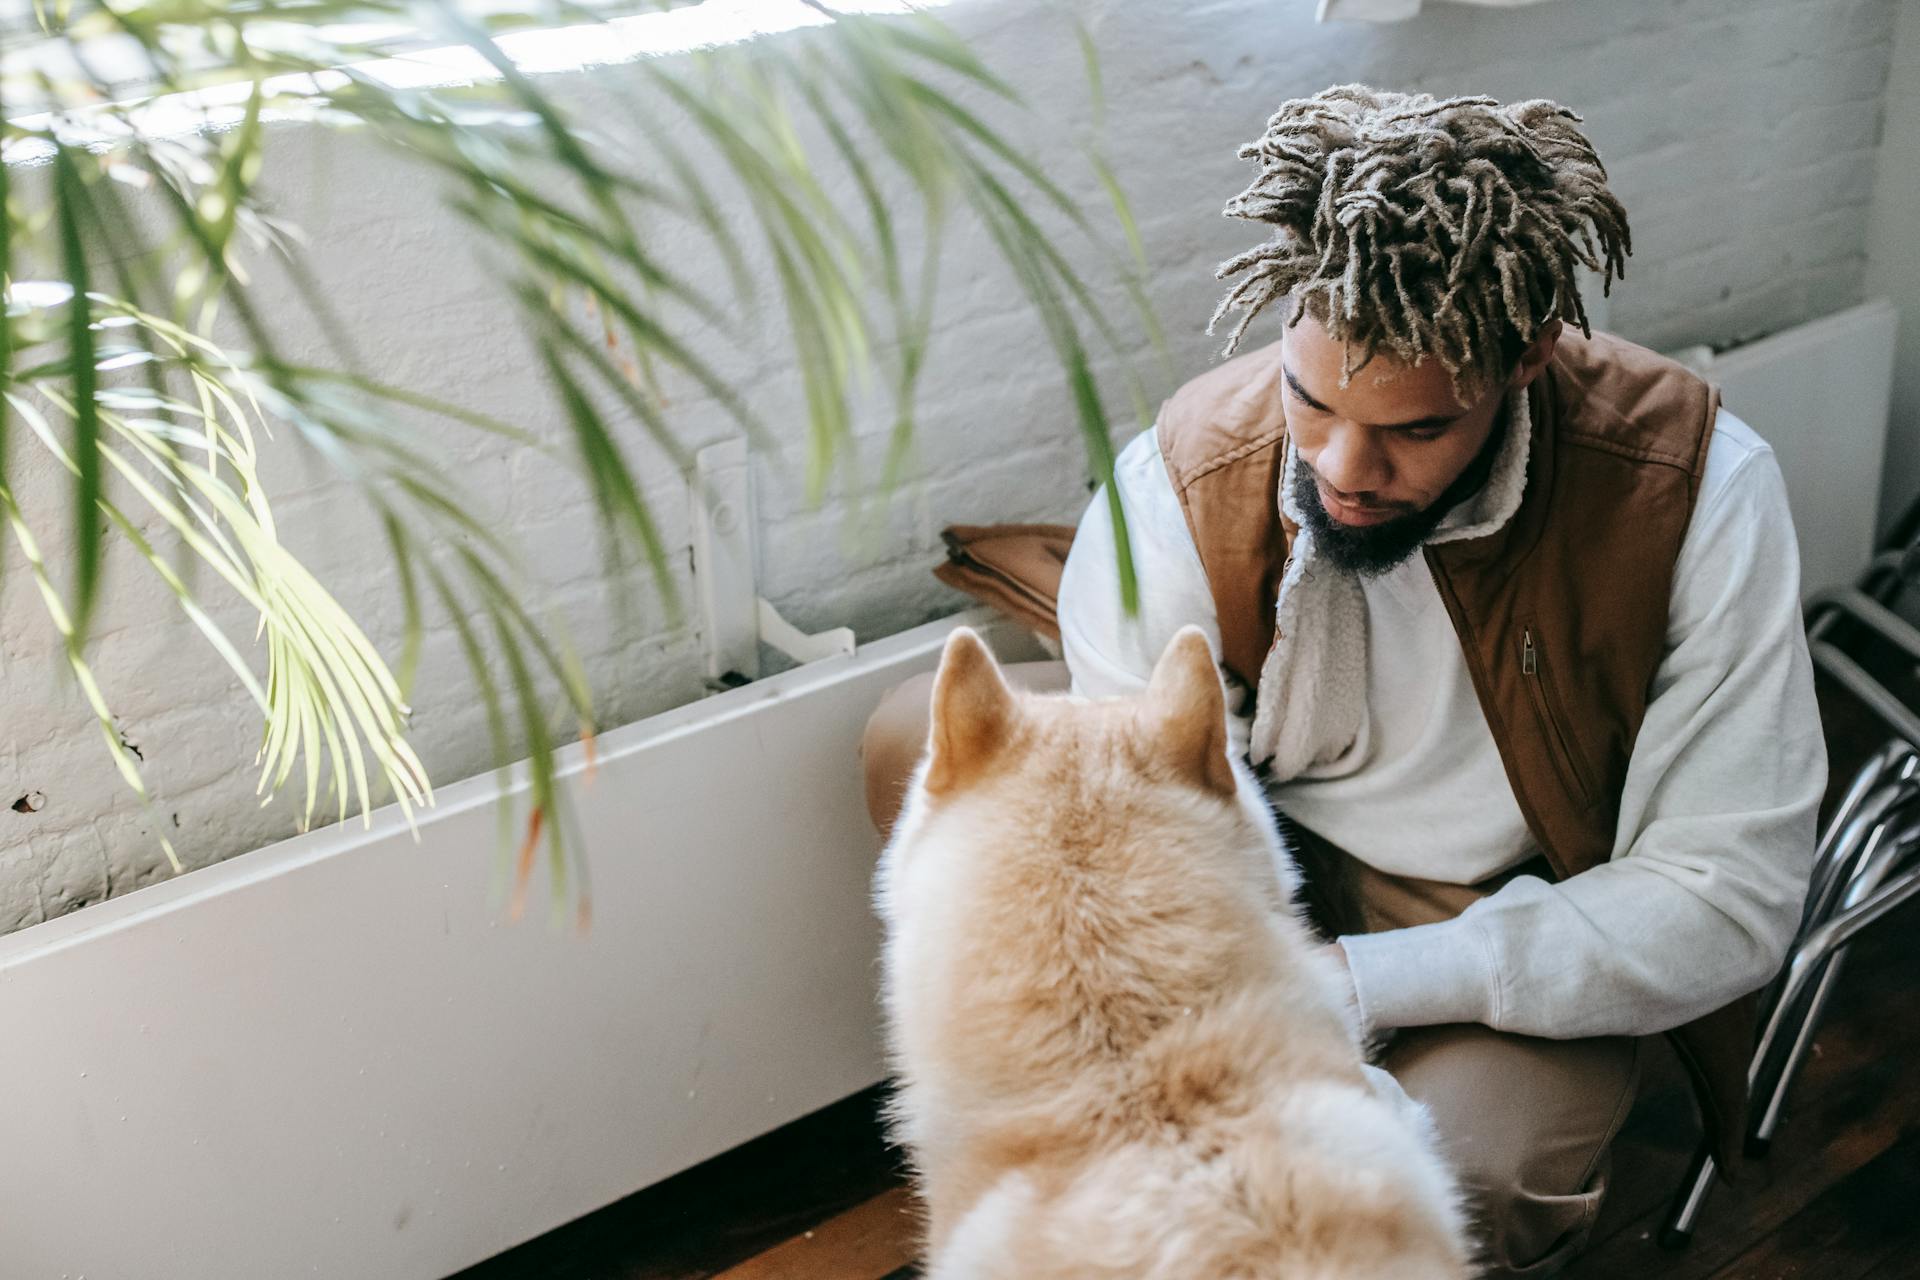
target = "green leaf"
x: 86, y: 417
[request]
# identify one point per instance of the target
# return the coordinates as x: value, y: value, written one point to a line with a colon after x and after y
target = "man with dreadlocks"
x: 1522, y: 631
x: 1513, y: 611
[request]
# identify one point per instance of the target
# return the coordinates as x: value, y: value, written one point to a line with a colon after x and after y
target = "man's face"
x: 1391, y: 452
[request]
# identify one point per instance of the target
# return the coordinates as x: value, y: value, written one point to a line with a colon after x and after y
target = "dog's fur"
x: 1119, y: 1050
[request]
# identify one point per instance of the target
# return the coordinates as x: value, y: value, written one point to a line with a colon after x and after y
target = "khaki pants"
x: 1526, y: 1122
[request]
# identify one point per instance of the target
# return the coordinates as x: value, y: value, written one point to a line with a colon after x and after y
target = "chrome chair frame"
x: 1866, y: 865
x: 1889, y: 867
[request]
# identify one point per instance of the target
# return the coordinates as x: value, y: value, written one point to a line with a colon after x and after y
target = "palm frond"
x: 167, y: 104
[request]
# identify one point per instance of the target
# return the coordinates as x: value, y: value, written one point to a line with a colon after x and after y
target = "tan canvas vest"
x: 1562, y: 613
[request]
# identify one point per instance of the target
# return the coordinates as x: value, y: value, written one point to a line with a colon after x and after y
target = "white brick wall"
x: 1741, y: 135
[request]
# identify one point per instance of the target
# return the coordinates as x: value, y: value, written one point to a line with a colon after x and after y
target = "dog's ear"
x: 973, y: 712
x: 1186, y: 712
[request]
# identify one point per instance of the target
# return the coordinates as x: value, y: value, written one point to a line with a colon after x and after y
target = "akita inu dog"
x: 1120, y: 1051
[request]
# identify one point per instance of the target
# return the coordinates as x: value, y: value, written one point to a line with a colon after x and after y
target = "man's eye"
x: 1427, y: 433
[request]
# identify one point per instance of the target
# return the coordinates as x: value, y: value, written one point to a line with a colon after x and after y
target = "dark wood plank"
x: 1903, y: 1264
x: 870, y: 1241
x: 1847, y: 1230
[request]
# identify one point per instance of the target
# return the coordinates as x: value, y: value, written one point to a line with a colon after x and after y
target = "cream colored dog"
x: 1119, y: 1051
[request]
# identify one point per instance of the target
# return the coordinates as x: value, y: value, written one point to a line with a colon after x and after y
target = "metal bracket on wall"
x: 735, y: 619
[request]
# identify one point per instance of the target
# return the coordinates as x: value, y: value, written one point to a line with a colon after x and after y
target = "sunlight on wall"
x: 537, y: 52
x: 696, y: 26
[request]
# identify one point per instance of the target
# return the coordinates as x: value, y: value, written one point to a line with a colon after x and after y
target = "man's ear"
x: 1535, y: 357
x: 973, y: 713
x: 1186, y: 713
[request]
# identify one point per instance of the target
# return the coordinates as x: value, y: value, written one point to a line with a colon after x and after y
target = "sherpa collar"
x: 1311, y: 709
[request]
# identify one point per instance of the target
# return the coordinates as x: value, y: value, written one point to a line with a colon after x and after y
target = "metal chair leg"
x: 1868, y: 612
x: 1889, y: 572
x: 1894, y: 758
x: 1854, y: 678
x: 1887, y: 863
x: 1808, y: 958
x: 1836, y: 860
x: 1894, y: 762
x: 1814, y: 955
x: 1677, y: 1234
x: 1767, y: 1109
x: 1854, y: 844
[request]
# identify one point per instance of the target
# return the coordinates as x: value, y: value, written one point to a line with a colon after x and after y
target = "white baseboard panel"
x: 1819, y: 394
x: 334, y: 1056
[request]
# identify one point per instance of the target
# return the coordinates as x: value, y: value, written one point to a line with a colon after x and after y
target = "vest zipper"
x: 1543, y: 703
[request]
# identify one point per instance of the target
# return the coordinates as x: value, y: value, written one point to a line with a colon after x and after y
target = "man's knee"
x: 1525, y: 1226
x: 1527, y: 1125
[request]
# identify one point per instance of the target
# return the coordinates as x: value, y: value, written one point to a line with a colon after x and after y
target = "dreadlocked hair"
x: 1448, y: 228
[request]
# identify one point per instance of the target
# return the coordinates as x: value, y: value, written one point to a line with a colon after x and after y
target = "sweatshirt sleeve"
x: 1716, y: 831
x: 1108, y: 651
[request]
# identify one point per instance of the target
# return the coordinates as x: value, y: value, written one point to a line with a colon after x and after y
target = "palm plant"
x: 116, y: 108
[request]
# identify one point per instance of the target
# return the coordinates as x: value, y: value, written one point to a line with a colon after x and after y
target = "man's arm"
x: 1109, y: 652
x: 1716, y: 826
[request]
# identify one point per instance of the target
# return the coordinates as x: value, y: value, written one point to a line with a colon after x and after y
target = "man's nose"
x: 1350, y: 462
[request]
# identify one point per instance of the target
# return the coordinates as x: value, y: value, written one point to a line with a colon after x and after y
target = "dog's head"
x: 1174, y: 733
x: 1052, y: 833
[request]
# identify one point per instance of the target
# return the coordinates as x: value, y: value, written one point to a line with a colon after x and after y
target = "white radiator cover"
x: 1819, y: 394
x: 333, y: 1057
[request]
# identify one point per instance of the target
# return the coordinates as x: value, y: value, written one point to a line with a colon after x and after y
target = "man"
x: 1513, y: 610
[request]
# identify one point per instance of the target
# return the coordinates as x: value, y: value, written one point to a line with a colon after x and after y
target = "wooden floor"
x: 1837, y: 1199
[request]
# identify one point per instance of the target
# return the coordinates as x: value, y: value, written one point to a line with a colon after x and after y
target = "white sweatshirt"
x: 1716, y: 828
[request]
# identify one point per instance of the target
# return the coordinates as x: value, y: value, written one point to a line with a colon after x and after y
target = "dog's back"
x: 1119, y: 1053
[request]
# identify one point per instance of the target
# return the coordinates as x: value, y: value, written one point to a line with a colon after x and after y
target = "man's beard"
x: 1373, y: 549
